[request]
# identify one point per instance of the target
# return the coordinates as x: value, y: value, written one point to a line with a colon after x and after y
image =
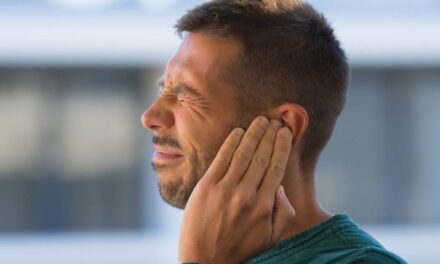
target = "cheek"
x: 201, y: 134
x: 197, y: 135
x: 190, y: 132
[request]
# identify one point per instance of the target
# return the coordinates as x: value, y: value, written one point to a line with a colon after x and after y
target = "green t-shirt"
x: 338, y: 240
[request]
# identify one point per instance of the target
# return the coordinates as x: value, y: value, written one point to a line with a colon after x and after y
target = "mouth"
x: 166, y: 155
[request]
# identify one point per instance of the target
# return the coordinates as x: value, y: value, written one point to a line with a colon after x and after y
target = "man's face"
x: 193, y: 114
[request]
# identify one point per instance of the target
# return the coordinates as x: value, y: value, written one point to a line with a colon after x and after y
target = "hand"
x: 238, y: 209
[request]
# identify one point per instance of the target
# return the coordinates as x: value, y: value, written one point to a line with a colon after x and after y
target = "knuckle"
x: 244, y: 154
x: 278, y: 169
x: 264, y: 211
x: 222, y: 188
x: 220, y: 199
x: 242, y: 199
x: 269, y: 140
x: 261, y: 159
x: 221, y: 191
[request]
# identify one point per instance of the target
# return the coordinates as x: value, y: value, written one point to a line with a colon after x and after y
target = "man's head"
x: 243, y: 58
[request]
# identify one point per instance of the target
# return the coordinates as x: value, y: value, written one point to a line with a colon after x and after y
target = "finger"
x: 283, y: 215
x: 220, y: 164
x: 245, y: 151
x: 277, y: 167
x: 260, y: 161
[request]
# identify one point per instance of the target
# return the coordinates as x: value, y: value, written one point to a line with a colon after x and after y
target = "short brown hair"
x: 290, y: 54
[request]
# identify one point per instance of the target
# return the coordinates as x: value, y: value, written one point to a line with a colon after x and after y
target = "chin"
x: 173, y: 193
x: 171, y: 186
x: 175, y: 189
x: 176, y: 182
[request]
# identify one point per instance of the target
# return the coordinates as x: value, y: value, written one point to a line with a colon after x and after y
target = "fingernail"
x: 275, y: 124
x: 239, y: 131
x: 285, y: 132
x: 263, y: 122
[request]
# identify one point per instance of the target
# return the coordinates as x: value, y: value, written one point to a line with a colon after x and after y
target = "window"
x: 70, y: 149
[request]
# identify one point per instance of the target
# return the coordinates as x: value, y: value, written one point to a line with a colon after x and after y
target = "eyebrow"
x: 180, y: 88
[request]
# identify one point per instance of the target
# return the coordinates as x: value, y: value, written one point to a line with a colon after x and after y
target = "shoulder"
x: 371, y: 255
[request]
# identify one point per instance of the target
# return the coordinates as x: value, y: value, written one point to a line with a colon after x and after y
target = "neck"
x: 299, y: 187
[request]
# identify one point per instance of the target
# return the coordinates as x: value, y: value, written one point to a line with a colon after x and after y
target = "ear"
x: 293, y: 116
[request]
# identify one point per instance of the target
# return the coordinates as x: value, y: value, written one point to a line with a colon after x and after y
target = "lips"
x: 166, y: 154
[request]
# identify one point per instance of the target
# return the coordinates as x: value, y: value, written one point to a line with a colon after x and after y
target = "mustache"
x: 164, y: 141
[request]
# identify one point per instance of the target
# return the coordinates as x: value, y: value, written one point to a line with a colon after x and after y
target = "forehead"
x: 202, y: 61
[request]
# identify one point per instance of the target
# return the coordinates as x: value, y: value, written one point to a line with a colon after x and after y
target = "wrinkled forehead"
x: 204, y: 61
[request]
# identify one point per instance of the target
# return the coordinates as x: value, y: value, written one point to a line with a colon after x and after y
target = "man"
x: 246, y: 105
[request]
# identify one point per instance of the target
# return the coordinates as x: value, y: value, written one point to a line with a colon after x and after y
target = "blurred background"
x: 75, y: 179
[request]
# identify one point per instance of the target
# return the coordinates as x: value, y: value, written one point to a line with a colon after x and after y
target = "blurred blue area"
x: 75, y: 179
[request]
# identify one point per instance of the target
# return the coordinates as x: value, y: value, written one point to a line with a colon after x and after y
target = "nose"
x: 157, y: 118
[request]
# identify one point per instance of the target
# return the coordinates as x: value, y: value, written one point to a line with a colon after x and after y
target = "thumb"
x: 283, y: 215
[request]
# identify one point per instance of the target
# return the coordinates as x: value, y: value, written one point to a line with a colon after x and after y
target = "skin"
x: 199, y: 123
x: 250, y: 179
